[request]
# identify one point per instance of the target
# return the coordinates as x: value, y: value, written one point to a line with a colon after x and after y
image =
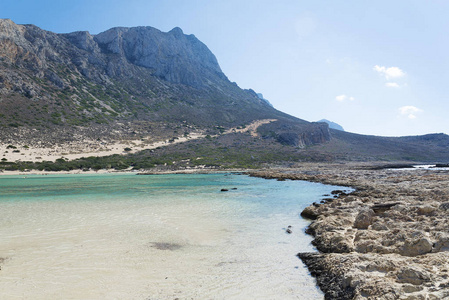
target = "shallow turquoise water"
x: 166, y: 235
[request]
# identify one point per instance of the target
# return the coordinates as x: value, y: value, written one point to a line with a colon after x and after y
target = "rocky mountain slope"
x: 141, y: 83
x: 52, y: 81
x: 332, y: 125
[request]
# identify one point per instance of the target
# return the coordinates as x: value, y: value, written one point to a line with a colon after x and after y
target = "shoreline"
x: 126, y: 171
x: 386, y: 240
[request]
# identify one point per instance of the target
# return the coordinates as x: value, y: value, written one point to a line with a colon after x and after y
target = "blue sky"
x: 374, y: 67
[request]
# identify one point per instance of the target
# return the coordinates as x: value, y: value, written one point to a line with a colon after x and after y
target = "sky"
x: 374, y: 67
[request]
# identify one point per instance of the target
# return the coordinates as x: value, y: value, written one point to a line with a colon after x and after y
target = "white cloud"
x: 392, y: 85
x: 389, y: 73
x: 410, y: 111
x: 342, y: 98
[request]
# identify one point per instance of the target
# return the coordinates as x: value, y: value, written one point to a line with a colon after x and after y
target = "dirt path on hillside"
x: 85, y: 148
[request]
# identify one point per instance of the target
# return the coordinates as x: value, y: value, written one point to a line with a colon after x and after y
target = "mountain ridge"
x: 139, y: 82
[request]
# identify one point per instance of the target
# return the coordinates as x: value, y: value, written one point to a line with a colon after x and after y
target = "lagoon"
x: 122, y: 236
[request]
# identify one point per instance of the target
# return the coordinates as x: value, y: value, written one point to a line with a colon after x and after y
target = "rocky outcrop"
x: 317, y: 135
x: 364, y: 218
x: 332, y: 125
x: 387, y: 240
x: 329, y: 277
x: 172, y: 56
x: 298, y: 134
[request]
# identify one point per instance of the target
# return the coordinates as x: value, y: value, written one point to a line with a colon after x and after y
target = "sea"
x: 178, y: 236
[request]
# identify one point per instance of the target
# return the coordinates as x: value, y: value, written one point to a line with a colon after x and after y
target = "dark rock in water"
x: 338, y: 193
x: 310, y: 212
x: 224, y: 190
x: 442, y: 166
x: 166, y: 246
x: 392, y: 166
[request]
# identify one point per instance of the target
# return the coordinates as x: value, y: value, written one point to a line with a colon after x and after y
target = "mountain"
x: 142, y: 85
x: 261, y: 97
x: 53, y: 85
x: 332, y: 125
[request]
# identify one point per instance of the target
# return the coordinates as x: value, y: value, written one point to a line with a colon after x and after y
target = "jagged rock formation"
x: 260, y: 95
x: 332, y: 125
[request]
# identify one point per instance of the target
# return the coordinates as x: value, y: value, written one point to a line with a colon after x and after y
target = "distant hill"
x: 332, y: 125
x: 140, y: 83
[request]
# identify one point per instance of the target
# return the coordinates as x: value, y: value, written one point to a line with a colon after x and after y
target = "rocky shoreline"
x: 389, y: 239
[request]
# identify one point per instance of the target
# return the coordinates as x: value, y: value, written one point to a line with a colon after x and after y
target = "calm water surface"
x: 154, y: 237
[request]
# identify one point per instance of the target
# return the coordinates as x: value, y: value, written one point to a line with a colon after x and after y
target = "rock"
x: 383, y: 207
x: 317, y: 133
x: 364, y: 219
x: 413, y: 275
x: 416, y: 247
x: 330, y: 280
x: 442, y: 166
x: 338, y: 193
x: 426, y: 210
x: 409, y: 288
x: 310, y: 212
x: 444, y: 206
x: 442, y: 244
x: 150, y: 48
x: 378, y: 226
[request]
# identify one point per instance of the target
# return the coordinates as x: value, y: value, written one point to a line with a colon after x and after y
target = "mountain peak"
x: 171, y: 57
x: 177, y: 31
x: 332, y: 125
